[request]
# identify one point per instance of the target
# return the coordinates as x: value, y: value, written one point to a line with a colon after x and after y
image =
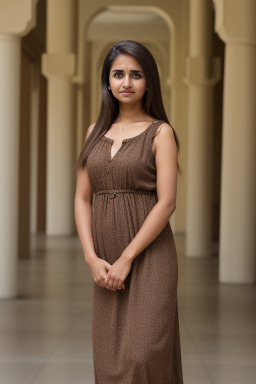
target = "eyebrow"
x: 121, y: 70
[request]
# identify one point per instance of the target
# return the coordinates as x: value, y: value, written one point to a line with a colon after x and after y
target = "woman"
x: 125, y: 195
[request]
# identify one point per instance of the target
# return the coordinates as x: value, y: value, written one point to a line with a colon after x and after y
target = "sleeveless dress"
x: 135, y: 331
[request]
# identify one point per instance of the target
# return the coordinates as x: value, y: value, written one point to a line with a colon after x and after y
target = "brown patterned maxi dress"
x: 135, y: 331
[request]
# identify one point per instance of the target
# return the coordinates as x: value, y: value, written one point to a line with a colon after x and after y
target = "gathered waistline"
x: 113, y: 192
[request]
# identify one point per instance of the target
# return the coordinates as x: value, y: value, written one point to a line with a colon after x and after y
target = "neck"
x: 130, y: 112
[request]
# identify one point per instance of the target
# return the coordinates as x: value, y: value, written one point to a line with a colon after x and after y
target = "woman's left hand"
x: 118, y: 272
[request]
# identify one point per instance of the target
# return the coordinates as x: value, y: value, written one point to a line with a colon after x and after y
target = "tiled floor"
x: 45, y: 334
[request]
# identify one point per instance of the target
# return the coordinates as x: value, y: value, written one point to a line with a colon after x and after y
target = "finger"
x: 107, y: 286
x: 119, y: 285
x: 107, y: 283
x: 111, y: 284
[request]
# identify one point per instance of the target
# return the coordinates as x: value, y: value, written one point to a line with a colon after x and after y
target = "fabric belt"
x: 113, y: 193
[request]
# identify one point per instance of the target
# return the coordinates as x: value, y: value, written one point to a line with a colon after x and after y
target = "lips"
x: 128, y: 92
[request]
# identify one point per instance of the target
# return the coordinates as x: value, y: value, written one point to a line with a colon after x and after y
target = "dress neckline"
x: 133, y: 137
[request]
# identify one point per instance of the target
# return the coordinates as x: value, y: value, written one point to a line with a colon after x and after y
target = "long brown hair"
x: 152, y: 99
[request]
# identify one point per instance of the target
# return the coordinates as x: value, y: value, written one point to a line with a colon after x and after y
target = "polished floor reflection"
x: 45, y: 334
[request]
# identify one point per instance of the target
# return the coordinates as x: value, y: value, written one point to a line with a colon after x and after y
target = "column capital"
x: 58, y: 65
x: 235, y: 21
x: 17, y: 17
x: 202, y: 70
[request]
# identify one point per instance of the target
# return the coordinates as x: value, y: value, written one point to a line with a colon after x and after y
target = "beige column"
x: 202, y: 73
x: 238, y: 177
x: 34, y: 118
x: 13, y: 25
x: 58, y: 65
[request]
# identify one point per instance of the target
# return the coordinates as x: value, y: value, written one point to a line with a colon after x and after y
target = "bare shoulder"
x: 89, y: 130
x: 165, y: 130
x: 164, y: 136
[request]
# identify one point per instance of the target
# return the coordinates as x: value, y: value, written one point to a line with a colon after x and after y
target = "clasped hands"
x: 111, y: 276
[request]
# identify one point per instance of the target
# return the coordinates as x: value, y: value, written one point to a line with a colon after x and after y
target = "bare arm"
x: 166, y: 158
x: 83, y: 211
x: 83, y: 218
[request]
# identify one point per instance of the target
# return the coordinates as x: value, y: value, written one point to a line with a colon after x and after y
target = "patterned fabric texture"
x: 135, y: 331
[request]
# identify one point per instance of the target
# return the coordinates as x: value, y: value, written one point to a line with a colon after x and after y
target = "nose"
x: 127, y: 81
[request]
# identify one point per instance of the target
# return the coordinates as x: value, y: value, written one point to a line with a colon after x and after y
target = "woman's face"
x: 127, y: 79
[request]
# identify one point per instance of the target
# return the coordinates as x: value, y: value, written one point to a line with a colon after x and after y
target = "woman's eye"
x: 117, y: 74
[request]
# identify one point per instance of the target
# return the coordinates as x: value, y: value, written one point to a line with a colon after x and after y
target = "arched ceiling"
x: 127, y: 25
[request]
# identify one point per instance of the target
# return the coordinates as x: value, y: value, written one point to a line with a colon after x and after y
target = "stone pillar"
x: 34, y: 118
x: 202, y: 73
x: 58, y: 66
x: 13, y: 25
x: 238, y: 177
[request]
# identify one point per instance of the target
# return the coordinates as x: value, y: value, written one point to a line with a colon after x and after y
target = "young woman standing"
x: 125, y: 195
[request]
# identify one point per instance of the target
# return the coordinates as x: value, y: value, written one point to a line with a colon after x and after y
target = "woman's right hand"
x: 99, y: 269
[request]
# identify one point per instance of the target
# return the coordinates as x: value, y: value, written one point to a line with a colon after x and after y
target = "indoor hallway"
x: 46, y: 331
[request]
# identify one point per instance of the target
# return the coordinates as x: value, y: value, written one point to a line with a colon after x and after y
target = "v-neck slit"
x: 112, y: 141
